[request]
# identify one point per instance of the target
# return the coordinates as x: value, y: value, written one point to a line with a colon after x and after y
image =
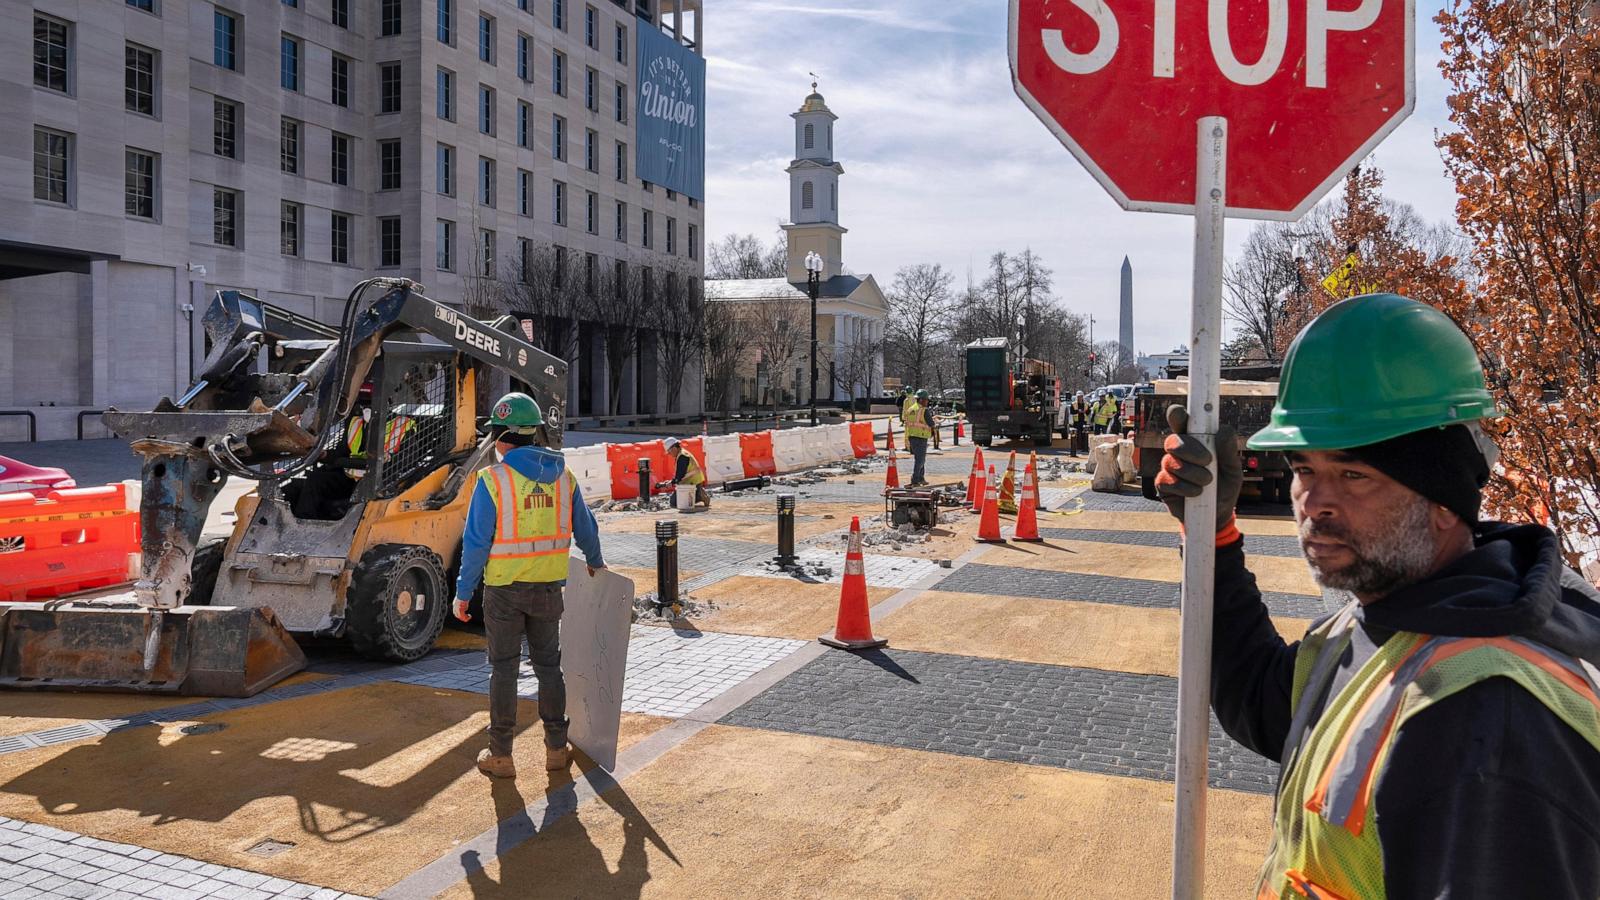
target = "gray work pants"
x: 919, y: 459
x: 510, y: 614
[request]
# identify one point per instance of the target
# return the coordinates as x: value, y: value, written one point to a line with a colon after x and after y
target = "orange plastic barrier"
x: 756, y: 449
x: 861, y: 442
x: 71, y: 540
x: 624, y: 460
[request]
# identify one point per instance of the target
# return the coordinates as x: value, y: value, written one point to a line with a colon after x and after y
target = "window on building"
x: 446, y: 22
x: 811, y: 137
x: 486, y: 242
x: 486, y: 109
x: 388, y: 165
x: 647, y: 284
x: 339, y: 238
x: 339, y: 91
x: 225, y: 40
x: 52, y: 53
x: 558, y: 72
x: 224, y: 128
x: 339, y: 11
x: 833, y: 197
x: 148, y: 6
x: 622, y: 221
x: 444, y: 239
x: 591, y: 90
x: 672, y: 235
x: 590, y: 263
x: 558, y: 14
x: 445, y: 87
x: 389, y: 87
x: 486, y: 39
x: 339, y: 162
x: 139, y: 184
x: 524, y: 57
x: 672, y: 195
x: 622, y: 161
x: 289, y: 230
x: 694, y: 242
x: 558, y: 138
x: 558, y: 275
x: 289, y: 146
x: 486, y: 189
x: 290, y: 3
x: 389, y: 241
x: 592, y: 213
x: 693, y: 203
x: 591, y: 28
x: 139, y: 80
x: 524, y: 192
x: 622, y: 43
x: 591, y: 150
x: 224, y: 217
x: 806, y: 201
x: 389, y: 19
x: 524, y: 259
x: 524, y: 126
x: 444, y: 178
x: 622, y: 102
x: 524, y: 5
x: 619, y: 277
x: 647, y: 186
x: 644, y: 227
x: 559, y: 201
x: 289, y: 63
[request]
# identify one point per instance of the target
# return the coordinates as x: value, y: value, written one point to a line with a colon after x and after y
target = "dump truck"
x: 1246, y: 405
x: 1009, y: 395
x: 362, y: 446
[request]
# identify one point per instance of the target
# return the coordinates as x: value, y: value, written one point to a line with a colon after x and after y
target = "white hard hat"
x: 671, y: 442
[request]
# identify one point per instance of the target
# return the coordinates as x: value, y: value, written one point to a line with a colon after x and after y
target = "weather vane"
x: 813, y: 80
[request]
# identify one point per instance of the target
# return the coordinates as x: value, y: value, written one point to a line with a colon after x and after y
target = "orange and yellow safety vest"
x: 533, y: 527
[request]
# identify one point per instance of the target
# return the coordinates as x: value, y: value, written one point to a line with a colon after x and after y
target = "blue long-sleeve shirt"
x: 536, y: 464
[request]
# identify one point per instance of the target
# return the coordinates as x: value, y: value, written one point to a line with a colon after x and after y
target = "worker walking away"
x: 1439, y: 734
x: 526, y: 511
x: 1105, y: 409
x: 918, y: 431
x: 1078, y: 423
x: 687, y: 471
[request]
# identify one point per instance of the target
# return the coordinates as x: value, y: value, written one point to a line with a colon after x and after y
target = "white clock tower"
x: 814, y: 191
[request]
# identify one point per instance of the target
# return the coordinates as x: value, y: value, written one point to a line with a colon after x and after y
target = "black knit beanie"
x: 1442, y: 464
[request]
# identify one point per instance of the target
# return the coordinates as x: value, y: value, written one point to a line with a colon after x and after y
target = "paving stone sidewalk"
x: 37, y: 861
x: 880, y: 571
x: 978, y: 578
x: 1110, y: 723
x: 1254, y: 544
x: 694, y: 551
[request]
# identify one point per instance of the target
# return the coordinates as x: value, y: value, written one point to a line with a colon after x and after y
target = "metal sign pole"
x: 1200, y: 515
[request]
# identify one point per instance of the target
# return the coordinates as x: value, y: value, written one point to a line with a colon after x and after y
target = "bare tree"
x: 622, y: 297
x: 745, y: 256
x: 726, y: 338
x: 778, y: 333
x: 855, y: 363
x: 920, y: 305
x: 1267, y: 272
x: 679, y: 323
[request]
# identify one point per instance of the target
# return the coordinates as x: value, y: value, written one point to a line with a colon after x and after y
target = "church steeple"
x: 814, y: 190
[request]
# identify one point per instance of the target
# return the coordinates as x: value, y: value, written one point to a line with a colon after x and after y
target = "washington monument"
x: 1125, y: 323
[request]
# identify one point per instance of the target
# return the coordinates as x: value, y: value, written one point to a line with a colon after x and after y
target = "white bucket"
x: 683, y: 498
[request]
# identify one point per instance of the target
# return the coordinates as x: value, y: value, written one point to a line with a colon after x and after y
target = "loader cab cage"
x: 416, y: 390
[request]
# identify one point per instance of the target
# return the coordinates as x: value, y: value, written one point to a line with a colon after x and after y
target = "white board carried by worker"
x: 594, y: 654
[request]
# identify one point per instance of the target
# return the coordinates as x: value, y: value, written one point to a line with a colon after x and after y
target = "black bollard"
x: 955, y: 434
x: 785, y: 529
x: 666, y: 563
x: 644, y: 480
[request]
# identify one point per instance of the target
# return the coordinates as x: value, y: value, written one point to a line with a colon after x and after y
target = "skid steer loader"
x: 362, y: 447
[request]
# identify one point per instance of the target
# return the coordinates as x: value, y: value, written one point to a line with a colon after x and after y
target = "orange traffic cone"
x: 975, y: 481
x: 1008, y: 486
x: 853, y: 630
x: 989, y: 525
x: 891, y: 478
x: 888, y: 442
x: 1027, y: 514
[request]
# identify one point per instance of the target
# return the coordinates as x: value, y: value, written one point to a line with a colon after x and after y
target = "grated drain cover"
x: 270, y: 848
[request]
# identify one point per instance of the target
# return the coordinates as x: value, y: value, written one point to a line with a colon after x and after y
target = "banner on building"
x: 670, y: 112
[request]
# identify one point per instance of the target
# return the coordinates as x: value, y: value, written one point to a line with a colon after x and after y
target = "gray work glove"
x: 1184, y: 469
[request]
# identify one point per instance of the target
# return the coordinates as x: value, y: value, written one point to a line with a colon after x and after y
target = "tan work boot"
x: 557, y: 758
x: 496, y: 766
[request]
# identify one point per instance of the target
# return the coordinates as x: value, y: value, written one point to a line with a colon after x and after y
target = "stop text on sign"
x: 1319, y: 21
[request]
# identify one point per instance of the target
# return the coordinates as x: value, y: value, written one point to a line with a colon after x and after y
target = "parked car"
x: 16, y: 475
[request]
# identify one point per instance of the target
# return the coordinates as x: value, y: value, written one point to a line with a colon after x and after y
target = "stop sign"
x: 1308, y: 87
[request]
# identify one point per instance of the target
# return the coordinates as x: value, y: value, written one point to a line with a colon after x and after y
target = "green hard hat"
x: 517, y: 412
x: 1372, y: 368
x: 922, y: 395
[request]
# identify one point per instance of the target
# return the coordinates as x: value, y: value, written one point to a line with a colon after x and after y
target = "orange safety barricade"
x: 861, y: 440
x: 756, y: 448
x: 624, y: 460
x: 71, y: 540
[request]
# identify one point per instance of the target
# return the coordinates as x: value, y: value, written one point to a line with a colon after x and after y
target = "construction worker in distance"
x: 1440, y: 733
x: 326, y: 490
x: 1105, y: 409
x: 687, y: 471
x: 918, y: 430
x: 526, y: 511
x: 1077, y: 421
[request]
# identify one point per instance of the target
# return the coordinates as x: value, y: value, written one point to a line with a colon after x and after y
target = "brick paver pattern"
x: 978, y: 578
x: 1254, y: 544
x: 695, y: 553
x: 37, y: 861
x: 1111, y: 723
x: 880, y: 570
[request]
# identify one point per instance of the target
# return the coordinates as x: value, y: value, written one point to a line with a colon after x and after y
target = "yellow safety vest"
x: 916, y: 421
x: 394, y: 432
x: 533, y: 527
x: 1105, y: 411
x: 1325, y: 841
x: 694, y: 475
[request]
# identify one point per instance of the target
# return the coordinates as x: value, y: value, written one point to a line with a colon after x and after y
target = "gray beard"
x: 1399, y: 552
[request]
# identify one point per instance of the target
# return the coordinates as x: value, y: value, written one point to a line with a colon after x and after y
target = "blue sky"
x: 944, y: 164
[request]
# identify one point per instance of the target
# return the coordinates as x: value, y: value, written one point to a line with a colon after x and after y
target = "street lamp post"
x: 813, y: 279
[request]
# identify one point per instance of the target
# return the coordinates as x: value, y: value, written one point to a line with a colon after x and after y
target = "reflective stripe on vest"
x: 533, y: 527
x: 1325, y: 842
x: 916, y: 420
x: 393, y: 433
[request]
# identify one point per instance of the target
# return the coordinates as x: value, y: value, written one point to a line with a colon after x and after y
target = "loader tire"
x: 204, y: 570
x: 397, y: 603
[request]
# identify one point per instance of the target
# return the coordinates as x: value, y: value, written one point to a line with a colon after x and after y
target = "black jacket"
x: 1486, y: 793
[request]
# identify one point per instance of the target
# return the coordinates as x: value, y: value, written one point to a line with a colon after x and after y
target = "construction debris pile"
x: 646, y: 611
x: 1052, y: 468
x: 657, y: 503
x: 801, y: 569
x: 874, y: 533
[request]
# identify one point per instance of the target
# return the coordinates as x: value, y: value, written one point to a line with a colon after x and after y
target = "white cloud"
x: 944, y: 164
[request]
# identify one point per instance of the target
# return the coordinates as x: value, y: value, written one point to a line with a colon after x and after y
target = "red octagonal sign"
x: 1308, y: 87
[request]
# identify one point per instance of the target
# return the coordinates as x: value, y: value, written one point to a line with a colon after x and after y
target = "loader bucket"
x: 207, y: 651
